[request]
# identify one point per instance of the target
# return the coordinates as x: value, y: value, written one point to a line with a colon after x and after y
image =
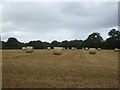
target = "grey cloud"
x: 59, y: 21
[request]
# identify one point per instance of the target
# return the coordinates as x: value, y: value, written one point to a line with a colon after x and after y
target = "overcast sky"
x: 48, y: 21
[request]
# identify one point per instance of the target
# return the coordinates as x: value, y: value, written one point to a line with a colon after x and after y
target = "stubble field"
x: 72, y: 69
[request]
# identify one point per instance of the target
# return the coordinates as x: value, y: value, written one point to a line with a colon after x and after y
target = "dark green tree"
x: 36, y: 44
x: 76, y: 43
x: 93, y: 40
x: 112, y: 33
x: 13, y: 43
x: 114, y: 39
x: 46, y: 44
x: 55, y: 44
x: 65, y: 44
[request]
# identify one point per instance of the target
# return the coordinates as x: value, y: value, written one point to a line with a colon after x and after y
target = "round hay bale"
x: 23, y: 48
x: 48, y: 48
x: 57, y: 51
x: 86, y: 48
x: 67, y: 47
x: 29, y: 49
x: 99, y: 49
x: 92, y: 51
x: 75, y: 48
x: 72, y: 48
x: 116, y: 49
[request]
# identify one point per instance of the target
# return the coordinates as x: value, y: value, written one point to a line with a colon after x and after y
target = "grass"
x: 72, y: 69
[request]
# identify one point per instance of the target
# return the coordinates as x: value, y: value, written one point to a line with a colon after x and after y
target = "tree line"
x: 94, y: 40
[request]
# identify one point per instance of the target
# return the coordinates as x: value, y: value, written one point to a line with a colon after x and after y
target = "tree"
x: 114, y: 39
x: 93, y: 40
x: 46, y: 44
x: 13, y: 43
x: 118, y: 35
x: 112, y: 33
x: 0, y: 43
x: 76, y: 43
x: 36, y: 44
x: 55, y: 44
x: 3, y: 44
x: 65, y: 44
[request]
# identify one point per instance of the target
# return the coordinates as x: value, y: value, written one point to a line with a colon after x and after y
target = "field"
x: 72, y: 69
